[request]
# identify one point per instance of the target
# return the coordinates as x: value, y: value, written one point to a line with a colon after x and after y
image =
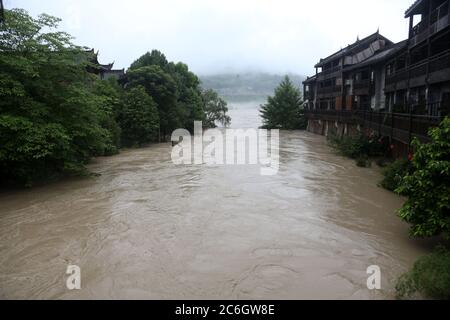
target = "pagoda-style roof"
x: 416, y: 7
x: 381, y: 56
x: 106, y: 67
x: 310, y: 79
x: 352, y: 48
x: 98, y: 65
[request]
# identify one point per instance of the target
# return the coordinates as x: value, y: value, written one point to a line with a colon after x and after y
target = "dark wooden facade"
x: 404, y: 86
x: 418, y: 79
x: 338, y: 81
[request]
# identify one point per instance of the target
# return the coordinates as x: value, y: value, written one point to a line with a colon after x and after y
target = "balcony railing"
x: 439, y: 13
x: 421, y: 27
x: 436, y: 63
x: 440, y: 62
x: 440, y: 19
x: 401, y: 127
x: 362, y: 84
x: 329, y: 90
x: 397, y: 77
x: 309, y: 95
x: 418, y: 70
x: 331, y: 70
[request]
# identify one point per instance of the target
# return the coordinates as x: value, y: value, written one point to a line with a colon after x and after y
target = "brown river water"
x: 148, y: 229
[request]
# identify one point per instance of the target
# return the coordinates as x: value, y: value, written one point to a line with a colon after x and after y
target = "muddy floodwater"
x: 148, y: 229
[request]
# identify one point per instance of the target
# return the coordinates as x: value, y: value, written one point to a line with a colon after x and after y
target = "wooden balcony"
x: 440, y: 62
x: 435, y: 67
x: 401, y: 127
x: 309, y: 95
x: 332, y: 70
x: 399, y: 76
x: 440, y: 19
x: 329, y: 90
x: 362, y: 84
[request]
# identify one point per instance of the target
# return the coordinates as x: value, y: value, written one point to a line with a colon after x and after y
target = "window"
x: 365, y: 75
x: 400, y: 64
x: 389, y: 70
x: 333, y: 104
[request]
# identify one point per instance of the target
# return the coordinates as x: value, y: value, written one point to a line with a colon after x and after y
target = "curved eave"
x: 413, y: 9
x: 310, y: 80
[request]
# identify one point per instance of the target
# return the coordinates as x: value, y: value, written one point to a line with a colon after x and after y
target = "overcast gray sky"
x: 224, y: 35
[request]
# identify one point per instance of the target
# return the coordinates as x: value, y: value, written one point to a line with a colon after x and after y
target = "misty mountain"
x: 250, y: 86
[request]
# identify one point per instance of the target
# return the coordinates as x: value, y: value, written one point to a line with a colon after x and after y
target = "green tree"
x: 215, y: 108
x: 163, y: 89
x: 109, y: 102
x: 154, y: 58
x: 189, y: 94
x: 50, y: 120
x: 427, y: 186
x: 174, y: 88
x: 138, y: 118
x: 284, y: 110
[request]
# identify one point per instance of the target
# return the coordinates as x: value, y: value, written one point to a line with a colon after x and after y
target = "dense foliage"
x: 427, y: 187
x: 175, y: 89
x: 215, y: 109
x: 138, y: 118
x: 430, y: 277
x: 360, y: 147
x: 52, y: 120
x: 394, y: 173
x: 285, y: 109
x: 56, y: 114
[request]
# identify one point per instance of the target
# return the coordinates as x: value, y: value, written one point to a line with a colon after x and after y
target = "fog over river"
x: 148, y: 229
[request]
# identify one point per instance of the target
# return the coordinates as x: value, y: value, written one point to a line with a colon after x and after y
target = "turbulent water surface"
x: 148, y: 229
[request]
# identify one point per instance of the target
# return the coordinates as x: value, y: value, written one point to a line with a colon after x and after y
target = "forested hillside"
x: 247, y: 86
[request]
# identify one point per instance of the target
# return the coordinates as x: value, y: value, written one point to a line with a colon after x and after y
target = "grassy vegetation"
x: 429, y: 277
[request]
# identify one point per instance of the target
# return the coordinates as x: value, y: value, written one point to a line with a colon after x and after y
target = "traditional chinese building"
x: 399, y: 90
x: 345, y: 81
x: 104, y: 71
x: 418, y: 79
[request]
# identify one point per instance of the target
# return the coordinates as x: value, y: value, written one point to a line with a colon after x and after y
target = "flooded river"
x: 148, y: 229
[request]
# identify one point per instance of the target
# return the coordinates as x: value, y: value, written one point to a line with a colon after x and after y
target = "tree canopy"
x: 177, y: 93
x: 51, y: 119
x: 138, y: 118
x: 284, y: 110
x: 216, y: 109
x: 56, y: 113
x: 427, y: 186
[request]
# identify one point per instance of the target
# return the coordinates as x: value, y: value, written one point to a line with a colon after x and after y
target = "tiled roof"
x: 350, y: 47
x: 412, y: 7
x: 381, y: 56
x: 310, y: 79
